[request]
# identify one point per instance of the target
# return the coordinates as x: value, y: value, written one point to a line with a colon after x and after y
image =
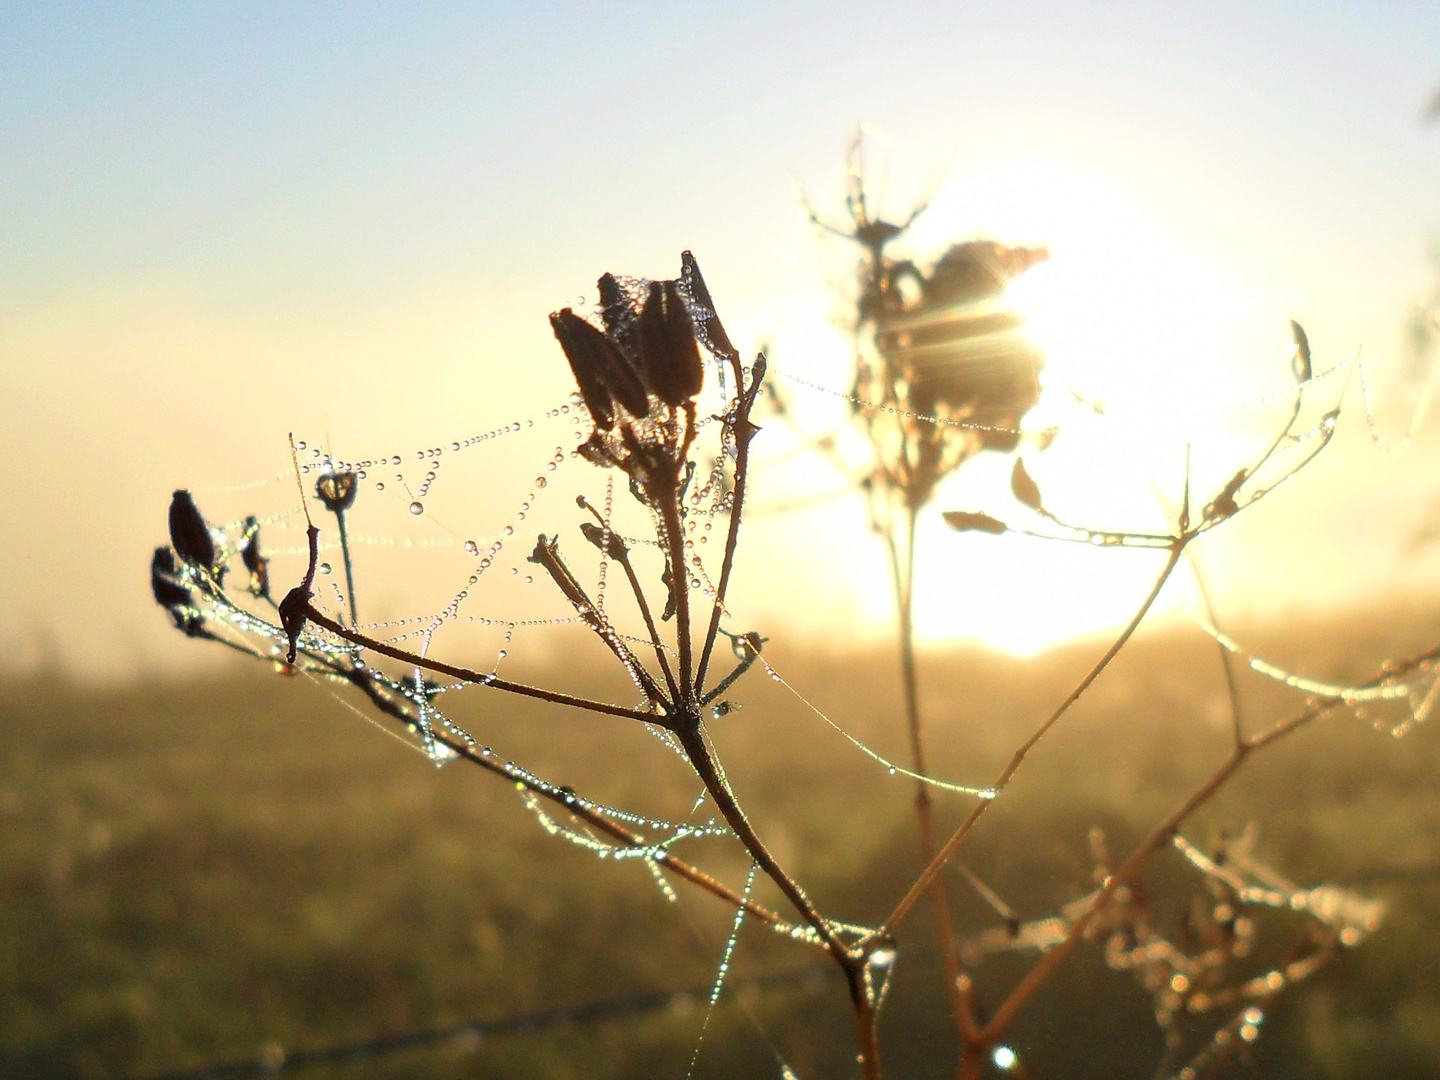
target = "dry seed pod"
x: 169, y: 593
x: 1301, y: 363
x: 695, y: 285
x: 615, y: 308
x: 973, y: 521
x: 669, y: 355
x: 336, y: 490
x: 189, y: 534
x: 1023, y: 486
x: 577, y: 341
x: 608, y: 542
x: 605, y: 355
x: 293, y: 613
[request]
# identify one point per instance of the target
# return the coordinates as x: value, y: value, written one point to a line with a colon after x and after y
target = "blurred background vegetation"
x: 194, y: 871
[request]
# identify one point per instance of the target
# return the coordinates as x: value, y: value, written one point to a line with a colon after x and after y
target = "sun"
x: 1144, y: 364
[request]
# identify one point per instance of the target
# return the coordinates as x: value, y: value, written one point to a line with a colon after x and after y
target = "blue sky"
x: 220, y: 222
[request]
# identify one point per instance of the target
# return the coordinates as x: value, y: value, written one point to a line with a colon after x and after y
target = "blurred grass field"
x: 192, y: 871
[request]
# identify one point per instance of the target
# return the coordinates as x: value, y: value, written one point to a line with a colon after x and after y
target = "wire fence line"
x: 272, y: 1059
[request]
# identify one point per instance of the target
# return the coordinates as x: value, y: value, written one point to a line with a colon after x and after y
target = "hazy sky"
x: 219, y: 223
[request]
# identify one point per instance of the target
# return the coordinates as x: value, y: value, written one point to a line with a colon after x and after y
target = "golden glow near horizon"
x: 222, y: 228
x: 1146, y: 357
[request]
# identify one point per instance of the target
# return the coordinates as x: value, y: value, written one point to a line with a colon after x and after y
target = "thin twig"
x: 953, y: 844
x: 467, y: 675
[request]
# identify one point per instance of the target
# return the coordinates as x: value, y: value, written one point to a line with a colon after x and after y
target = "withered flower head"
x: 189, y: 534
x: 960, y: 351
x: 336, y: 490
x: 639, y: 375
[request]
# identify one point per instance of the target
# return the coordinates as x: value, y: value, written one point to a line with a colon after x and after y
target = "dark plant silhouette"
x: 641, y: 372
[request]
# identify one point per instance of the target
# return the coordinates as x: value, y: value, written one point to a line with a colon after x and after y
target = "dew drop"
x: 379, y: 485
x: 540, y: 481
x: 502, y: 654
x: 529, y: 580
x: 325, y: 568
x: 300, y: 445
x: 417, y: 507
x: 472, y: 548
x: 395, y: 460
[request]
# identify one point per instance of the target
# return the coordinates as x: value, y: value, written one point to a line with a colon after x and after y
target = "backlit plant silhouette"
x: 669, y: 404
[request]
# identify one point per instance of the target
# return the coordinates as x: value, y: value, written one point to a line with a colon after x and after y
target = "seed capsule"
x: 669, y: 355
x: 169, y: 593
x: 695, y: 285
x: 580, y: 351
x: 189, y: 534
x: 336, y: 490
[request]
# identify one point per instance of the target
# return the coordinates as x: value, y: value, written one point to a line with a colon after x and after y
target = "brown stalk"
x: 743, y: 431
x: 952, y: 845
x: 1158, y: 838
x: 319, y: 618
x: 566, y: 801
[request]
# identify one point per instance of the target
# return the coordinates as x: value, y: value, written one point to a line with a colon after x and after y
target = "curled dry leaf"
x: 1301, y: 363
x: 973, y: 521
x: 1225, y: 505
x: 1023, y: 486
x: 608, y: 542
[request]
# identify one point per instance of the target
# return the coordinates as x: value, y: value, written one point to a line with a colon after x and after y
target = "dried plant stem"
x: 952, y: 845
x: 852, y: 961
x: 349, y: 568
x: 660, y: 658
x: 468, y: 675
x: 1158, y: 838
x: 903, y: 575
x: 679, y: 589
x: 697, y: 749
x: 743, y: 431
x: 1227, y: 661
x: 566, y: 801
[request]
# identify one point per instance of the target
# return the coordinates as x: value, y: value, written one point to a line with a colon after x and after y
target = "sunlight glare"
x: 1145, y: 342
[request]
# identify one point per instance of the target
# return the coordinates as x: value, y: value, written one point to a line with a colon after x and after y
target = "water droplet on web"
x: 417, y: 507
x: 529, y: 580
x: 472, y: 548
x: 883, y: 957
x: 300, y: 445
x: 395, y: 460
x: 502, y: 654
x: 379, y: 485
x: 540, y: 481
x: 325, y: 568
